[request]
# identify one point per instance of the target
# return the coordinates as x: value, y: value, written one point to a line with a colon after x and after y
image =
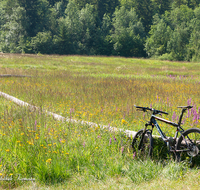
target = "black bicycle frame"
x: 154, y: 123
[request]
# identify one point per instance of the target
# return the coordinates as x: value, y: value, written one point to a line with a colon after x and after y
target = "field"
x: 103, y: 90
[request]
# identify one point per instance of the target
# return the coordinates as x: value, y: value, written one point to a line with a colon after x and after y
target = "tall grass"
x: 107, y: 100
x: 98, y: 89
x: 34, y: 146
x: 50, y: 151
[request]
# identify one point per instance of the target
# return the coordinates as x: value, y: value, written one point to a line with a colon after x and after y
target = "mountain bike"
x: 184, y: 145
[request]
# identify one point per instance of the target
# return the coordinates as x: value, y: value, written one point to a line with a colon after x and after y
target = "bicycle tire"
x: 146, y: 148
x: 190, y: 139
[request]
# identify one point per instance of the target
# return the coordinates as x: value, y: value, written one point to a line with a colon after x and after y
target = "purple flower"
x: 122, y: 149
x: 174, y: 116
x: 110, y: 141
x: 35, y: 125
x: 83, y: 144
x: 189, y: 113
x: 114, y: 138
x: 189, y: 101
x: 134, y: 154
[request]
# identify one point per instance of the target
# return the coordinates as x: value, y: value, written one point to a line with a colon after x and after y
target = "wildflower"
x: 35, y: 124
x: 48, y: 160
x: 7, y: 150
x: 110, y: 141
x: 62, y: 141
x: 123, y: 121
x: 134, y: 154
x: 1, y: 174
x: 122, y: 149
x: 174, y: 116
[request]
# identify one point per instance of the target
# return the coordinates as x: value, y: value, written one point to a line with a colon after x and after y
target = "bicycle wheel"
x: 188, y: 146
x: 146, y: 147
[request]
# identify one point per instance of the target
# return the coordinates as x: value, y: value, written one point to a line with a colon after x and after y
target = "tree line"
x: 163, y: 29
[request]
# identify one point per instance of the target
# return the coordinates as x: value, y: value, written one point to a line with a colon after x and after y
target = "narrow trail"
x: 64, y: 119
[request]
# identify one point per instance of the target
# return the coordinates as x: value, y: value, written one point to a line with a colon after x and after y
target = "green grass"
x: 102, y: 90
x: 69, y: 155
x: 98, y: 66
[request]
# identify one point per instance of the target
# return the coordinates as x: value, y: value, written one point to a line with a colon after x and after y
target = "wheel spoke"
x: 142, y: 146
x: 188, y: 146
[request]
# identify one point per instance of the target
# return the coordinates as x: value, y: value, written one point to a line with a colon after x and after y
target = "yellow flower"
x: 123, y: 121
x: 7, y: 150
x: 48, y: 160
x: 1, y: 174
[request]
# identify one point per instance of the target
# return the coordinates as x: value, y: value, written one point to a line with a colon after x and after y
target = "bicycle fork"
x: 143, y: 135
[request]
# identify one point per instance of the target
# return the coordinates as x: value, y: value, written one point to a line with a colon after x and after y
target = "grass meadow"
x: 104, y: 90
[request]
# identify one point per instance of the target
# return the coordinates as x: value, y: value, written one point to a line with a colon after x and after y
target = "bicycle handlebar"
x: 144, y: 109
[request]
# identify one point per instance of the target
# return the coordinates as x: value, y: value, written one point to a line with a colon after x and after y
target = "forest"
x: 161, y: 29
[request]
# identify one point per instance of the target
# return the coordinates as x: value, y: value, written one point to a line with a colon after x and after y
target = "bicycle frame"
x: 153, y: 122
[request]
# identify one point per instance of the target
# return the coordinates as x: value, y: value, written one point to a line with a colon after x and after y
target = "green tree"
x: 179, y: 20
x: 59, y: 9
x: 42, y: 43
x: 159, y: 35
x: 37, y: 13
x: 170, y: 35
x: 190, y: 3
x: 103, y: 40
x: 128, y: 34
x: 144, y: 10
x: 63, y: 43
x: 13, y: 35
x: 87, y: 26
x: 2, y: 13
x: 160, y: 6
x: 101, y: 6
x: 53, y: 2
x: 193, y: 47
